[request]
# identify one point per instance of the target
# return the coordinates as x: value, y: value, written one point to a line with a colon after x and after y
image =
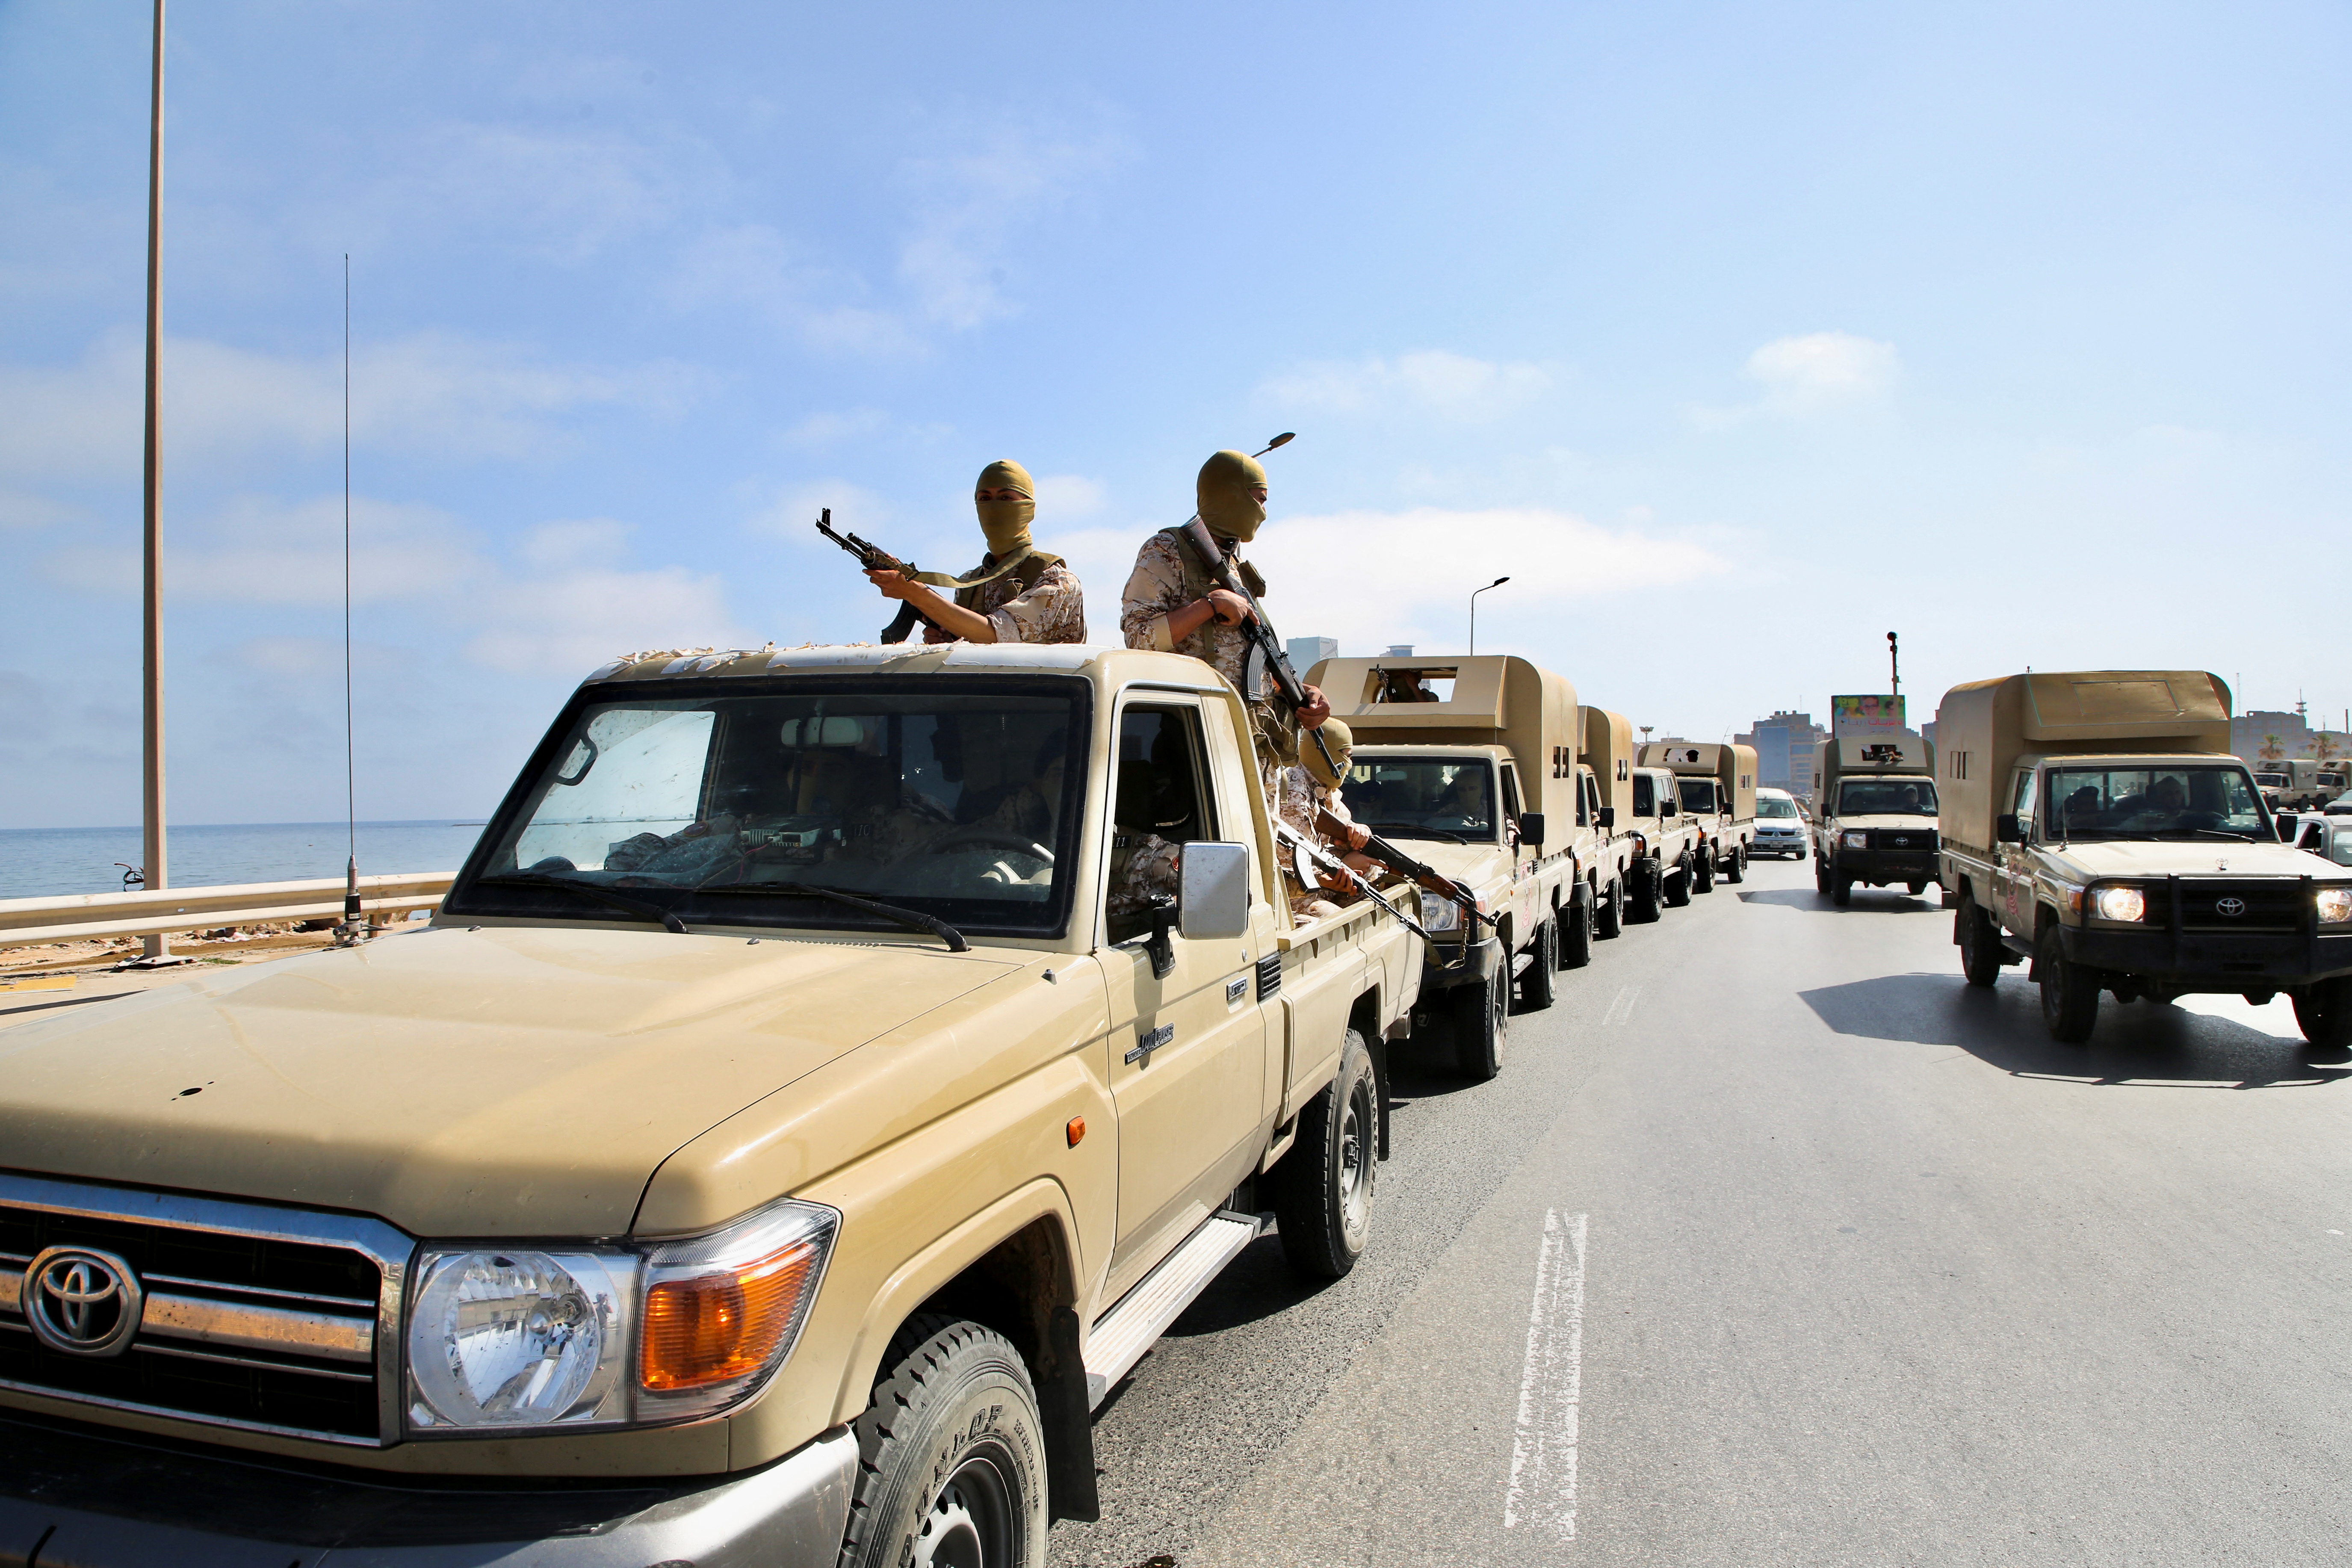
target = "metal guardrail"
x: 148, y: 913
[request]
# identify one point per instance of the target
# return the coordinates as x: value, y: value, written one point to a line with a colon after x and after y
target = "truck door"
x: 2016, y: 874
x: 1523, y: 855
x: 1188, y: 1068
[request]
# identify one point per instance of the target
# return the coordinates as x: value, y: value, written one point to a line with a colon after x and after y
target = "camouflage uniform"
x: 1166, y: 578
x: 1045, y: 604
x: 1143, y: 865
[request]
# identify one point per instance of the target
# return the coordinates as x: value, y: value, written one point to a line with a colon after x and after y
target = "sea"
x: 50, y: 862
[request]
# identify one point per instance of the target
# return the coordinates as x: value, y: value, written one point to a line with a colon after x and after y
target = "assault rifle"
x: 1221, y: 571
x: 1404, y: 864
x: 1319, y: 858
x: 874, y: 559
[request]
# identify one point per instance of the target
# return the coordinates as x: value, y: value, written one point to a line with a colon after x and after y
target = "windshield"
x: 2164, y: 802
x: 1423, y: 797
x: 955, y: 802
x: 1768, y: 806
x: 1886, y: 797
x: 2274, y: 781
x: 1699, y: 794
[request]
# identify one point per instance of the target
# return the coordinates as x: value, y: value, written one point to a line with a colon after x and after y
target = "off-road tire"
x: 1535, y: 988
x: 1702, y: 872
x: 1610, y: 922
x: 1980, y: 942
x: 1576, y: 935
x: 952, y: 1444
x: 1323, y: 1187
x: 1641, y: 894
x: 1916, y: 889
x: 1822, y: 883
x: 1675, y: 891
x: 2323, y: 1010
x: 1735, y: 868
x: 1842, y: 890
x: 2070, y: 993
x: 1481, y: 1026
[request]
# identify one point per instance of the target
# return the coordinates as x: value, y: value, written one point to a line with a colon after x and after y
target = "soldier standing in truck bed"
x: 1171, y: 605
x: 1018, y: 593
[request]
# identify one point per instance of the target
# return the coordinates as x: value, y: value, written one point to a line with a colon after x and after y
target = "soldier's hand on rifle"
x: 894, y: 584
x: 1229, y: 608
x: 1356, y: 835
x: 1316, y: 709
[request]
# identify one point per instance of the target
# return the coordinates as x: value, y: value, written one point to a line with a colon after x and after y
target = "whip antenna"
x: 352, y: 926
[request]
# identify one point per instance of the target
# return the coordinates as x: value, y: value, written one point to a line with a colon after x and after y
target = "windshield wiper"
x: 914, y: 920
x: 666, y: 919
x: 1415, y: 830
x: 2221, y: 833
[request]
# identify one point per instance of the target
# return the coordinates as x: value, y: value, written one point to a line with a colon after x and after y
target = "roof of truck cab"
x: 910, y: 658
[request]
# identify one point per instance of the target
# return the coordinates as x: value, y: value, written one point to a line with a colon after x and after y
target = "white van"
x: 1780, y: 830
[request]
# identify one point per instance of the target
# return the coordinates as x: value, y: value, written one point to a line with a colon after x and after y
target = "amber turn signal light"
x: 1076, y: 1130
x: 724, y: 1324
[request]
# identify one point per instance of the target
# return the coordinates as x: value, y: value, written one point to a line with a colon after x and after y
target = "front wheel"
x: 952, y: 1455
x: 1323, y: 1187
x: 1608, y: 920
x: 1821, y: 876
x: 1481, y: 1023
x: 1641, y: 894
x: 1735, y: 870
x: 1916, y: 889
x: 1677, y: 890
x: 2323, y: 1011
x: 2070, y: 993
x: 1543, y: 964
x: 1703, y: 870
x: 1979, y: 941
x: 1842, y: 890
x: 1576, y: 936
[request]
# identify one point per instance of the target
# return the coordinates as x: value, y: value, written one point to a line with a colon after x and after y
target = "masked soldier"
x: 1171, y: 605
x: 1017, y: 593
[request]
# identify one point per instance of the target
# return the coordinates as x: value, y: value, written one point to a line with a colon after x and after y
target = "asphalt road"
x: 1775, y: 1243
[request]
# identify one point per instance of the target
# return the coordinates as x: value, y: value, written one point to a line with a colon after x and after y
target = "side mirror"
x: 1607, y: 816
x: 2287, y: 828
x: 1531, y: 829
x: 1214, y: 900
x: 2005, y: 827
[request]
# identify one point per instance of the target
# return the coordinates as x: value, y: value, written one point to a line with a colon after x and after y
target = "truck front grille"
x: 1904, y: 840
x: 272, y: 1320
x: 2272, y: 904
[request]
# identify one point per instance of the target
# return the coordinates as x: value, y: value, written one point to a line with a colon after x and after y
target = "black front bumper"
x: 2211, y: 960
x: 1485, y: 958
x: 1881, y: 868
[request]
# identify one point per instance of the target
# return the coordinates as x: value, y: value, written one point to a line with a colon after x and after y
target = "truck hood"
x: 493, y: 1081
x: 1475, y: 864
x: 2211, y: 857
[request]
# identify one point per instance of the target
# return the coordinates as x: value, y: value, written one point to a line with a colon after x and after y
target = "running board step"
x: 1122, y: 1335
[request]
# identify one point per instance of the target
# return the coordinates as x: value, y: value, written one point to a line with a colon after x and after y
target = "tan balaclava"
x: 1006, y: 523
x: 1224, y: 491
x: 1343, y: 742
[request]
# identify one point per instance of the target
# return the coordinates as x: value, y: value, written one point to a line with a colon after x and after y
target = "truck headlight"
x: 2334, y: 906
x: 502, y: 1339
x: 1440, y: 914
x: 1856, y: 840
x: 519, y: 1338
x: 2119, y: 904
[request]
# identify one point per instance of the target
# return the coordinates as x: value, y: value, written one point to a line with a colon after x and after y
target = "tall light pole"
x: 1473, y: 610
x: 156, y: 873
x: 1894, y: 665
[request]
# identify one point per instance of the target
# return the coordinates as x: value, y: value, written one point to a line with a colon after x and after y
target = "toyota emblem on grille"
x: 82, y: 1301
x: 1902, y: 840
x: 2229, y: 909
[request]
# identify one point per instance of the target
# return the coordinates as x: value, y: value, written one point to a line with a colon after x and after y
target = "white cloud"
x: 972, y: 202
x: 1067, y: 496
x: 565, y: 193
x: 433, y: 393
x: 1431, y: 382
x: 574, y: 620
x: 790, y: 513
x: 1820, y: 371
x: 259, y: 551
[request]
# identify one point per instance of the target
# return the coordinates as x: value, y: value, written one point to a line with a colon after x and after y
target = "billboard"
x: 1867, y: 718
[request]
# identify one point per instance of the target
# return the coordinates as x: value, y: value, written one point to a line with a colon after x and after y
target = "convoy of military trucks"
x: 835, y: 1068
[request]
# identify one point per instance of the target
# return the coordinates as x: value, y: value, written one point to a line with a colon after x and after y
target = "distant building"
x: 2250, y: 733
x: 1306, y: 653
x: 1786, y: 745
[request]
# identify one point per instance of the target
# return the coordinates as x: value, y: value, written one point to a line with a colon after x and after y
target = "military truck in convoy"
x: 1666, y: 850
x: 2097, y: 824
x: 1717, y: 785
x: 1874, y: 800
x: 829, y: 1073
x: 1605, y: 766
x: 1469, y: 765
x: 2300, y: 784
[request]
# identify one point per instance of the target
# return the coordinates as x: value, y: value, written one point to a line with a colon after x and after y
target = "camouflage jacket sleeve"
x: 1054, y: 611
x: 1156, y: 587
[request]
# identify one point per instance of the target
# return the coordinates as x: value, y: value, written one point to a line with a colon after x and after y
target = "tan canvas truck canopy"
x: 1732, y: 766
x: 1608, y: 739
x: 1492, y: 699
x: 1985, y: 726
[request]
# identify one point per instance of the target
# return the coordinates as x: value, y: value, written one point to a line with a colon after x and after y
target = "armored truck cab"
x: 1718, y: 785
x: 1469, y: 764
x: 2096, y: 823
x: 1875, y: 823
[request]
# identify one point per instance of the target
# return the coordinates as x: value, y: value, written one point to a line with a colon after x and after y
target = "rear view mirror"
x: 2005, y: 828
x: 1214, y: 900
x: 1607, y: 816
x: 1531, y: 827
x: 2287, y: 828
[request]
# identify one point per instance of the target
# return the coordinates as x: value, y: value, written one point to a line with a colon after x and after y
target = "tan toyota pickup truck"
x: 830, y: 1073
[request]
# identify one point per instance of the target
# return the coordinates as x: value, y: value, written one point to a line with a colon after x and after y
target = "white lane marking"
x: 1543, y: 1448
x: 1620, y: 1006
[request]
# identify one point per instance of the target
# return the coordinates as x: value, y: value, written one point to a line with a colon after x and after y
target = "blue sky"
x: 1736, y: 335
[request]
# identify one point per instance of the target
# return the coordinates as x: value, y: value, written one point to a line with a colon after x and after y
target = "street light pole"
x: 1473, y: 610
x: 156, y: 873
x: 1894, y: 665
